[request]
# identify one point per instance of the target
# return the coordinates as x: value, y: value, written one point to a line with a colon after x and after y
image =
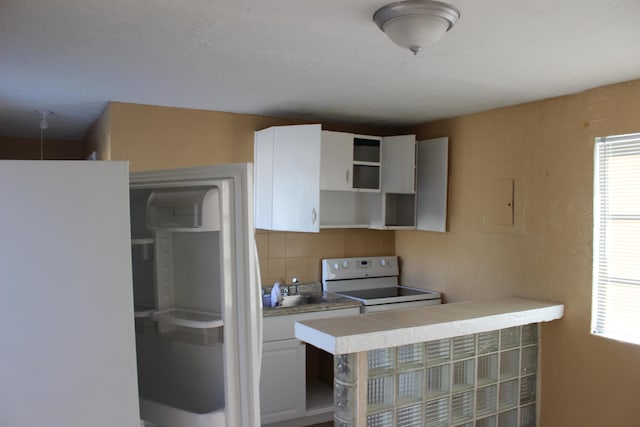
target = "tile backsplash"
x: 285, y: 255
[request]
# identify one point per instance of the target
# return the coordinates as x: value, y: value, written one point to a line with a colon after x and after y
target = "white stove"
x: 374, y: 282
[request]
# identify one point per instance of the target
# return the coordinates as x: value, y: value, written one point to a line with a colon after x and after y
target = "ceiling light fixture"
x: 415, y: 24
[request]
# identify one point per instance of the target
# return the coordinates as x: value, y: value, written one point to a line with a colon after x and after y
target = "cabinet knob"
x: 314, y: 216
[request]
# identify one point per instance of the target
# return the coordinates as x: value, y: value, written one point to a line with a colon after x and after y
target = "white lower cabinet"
x: 284, y: 392
x: 282, y: 385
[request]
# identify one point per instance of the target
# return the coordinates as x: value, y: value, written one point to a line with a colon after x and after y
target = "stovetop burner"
x: 389, y: 295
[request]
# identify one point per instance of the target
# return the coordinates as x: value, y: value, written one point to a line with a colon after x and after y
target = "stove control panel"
x: 354, y: 268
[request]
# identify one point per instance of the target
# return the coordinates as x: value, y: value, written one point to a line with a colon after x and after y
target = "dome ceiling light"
x: 414, y: 24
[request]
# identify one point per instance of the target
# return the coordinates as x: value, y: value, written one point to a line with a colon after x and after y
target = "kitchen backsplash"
x: 284, y: 255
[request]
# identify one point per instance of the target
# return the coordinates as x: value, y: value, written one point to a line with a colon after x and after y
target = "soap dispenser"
x: 276, y: 295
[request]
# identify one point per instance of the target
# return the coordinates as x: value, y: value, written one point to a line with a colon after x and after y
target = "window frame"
x: 614, y: 297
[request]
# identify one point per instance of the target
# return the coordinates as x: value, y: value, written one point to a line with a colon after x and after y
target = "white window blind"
x: 616, y: 238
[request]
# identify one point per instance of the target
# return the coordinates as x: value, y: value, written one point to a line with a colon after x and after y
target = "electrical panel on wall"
x: 499, y: 203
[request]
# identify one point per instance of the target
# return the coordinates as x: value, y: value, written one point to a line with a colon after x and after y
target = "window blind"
x: 616, y: 238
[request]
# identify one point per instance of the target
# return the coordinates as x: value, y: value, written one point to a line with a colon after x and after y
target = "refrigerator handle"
x: 260, y: 321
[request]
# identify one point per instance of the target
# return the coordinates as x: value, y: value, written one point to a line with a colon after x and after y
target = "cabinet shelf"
x: 366, y: 149
x: 188, y: 318
x: 142, y: 241
x: 141, y: 311
x: 341, y: 226
x: 366, y: 176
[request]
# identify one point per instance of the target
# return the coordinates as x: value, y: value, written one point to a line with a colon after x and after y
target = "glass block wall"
x: 482, y: 380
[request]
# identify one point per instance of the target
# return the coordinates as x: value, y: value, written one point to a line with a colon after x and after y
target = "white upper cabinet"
x: 287, y: 178
x: 336, y: 163
x: 307, y: 179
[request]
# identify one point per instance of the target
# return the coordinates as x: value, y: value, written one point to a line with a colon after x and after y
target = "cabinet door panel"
x: 432, y: 172
x: 263, y: 177
x: 282, y: 381
x: 296, y: 178
x: 398, y: 164
x: 336, y: 163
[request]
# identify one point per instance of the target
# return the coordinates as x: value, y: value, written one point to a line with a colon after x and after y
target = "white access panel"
x: 67, y: 349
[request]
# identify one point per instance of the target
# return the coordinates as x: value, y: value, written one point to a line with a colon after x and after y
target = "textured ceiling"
x: 323, y: 60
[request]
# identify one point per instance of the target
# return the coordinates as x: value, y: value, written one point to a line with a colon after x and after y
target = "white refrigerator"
x: 127, y: 299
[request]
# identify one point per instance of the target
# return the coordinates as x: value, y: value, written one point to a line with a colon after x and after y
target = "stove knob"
x: 383, y: 263
x: 336, y: 266
x: 345, y: 264
x: 390, y: 263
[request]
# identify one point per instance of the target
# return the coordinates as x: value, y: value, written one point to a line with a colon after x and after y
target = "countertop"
x: 366, y: 332
x: 321, y: 301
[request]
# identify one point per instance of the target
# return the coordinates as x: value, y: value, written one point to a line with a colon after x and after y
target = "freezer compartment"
x: 184, y: 210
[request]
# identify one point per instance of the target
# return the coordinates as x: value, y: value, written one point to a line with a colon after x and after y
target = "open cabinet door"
x: 432, y: 174
x: 67, y: 349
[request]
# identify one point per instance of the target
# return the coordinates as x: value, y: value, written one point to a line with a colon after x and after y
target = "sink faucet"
x: 293, y: 288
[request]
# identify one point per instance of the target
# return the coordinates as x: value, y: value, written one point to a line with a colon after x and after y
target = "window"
x: 616, y: 238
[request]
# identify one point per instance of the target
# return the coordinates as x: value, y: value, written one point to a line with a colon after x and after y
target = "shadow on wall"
x: 30, y: 149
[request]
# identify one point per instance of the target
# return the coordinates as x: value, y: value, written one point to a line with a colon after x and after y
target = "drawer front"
x: 278, y: 328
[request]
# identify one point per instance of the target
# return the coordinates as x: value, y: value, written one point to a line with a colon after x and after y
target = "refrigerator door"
x: 66, y: 307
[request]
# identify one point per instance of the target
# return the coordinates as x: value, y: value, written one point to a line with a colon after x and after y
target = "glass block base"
x: 483, y: 380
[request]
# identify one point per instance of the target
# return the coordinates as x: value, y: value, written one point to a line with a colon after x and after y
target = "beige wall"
x: 152, y: 137
x: 547, y: 149
x: 284, y: 256
x: 98, y: 138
